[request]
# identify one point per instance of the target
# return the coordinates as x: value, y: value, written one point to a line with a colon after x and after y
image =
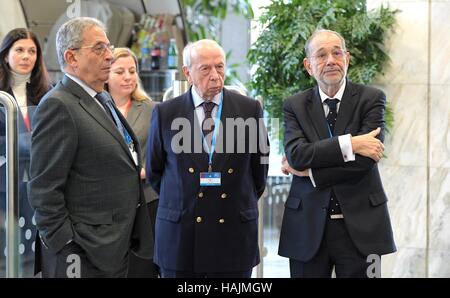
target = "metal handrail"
x: 12, y: 185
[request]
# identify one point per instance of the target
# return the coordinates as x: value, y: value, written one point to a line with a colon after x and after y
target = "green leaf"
x: 278, y: 52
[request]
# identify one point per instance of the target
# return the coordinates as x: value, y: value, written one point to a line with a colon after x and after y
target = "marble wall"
x: 416, y: 173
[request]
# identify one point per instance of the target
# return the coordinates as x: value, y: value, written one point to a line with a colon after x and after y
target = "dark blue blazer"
x: 226, y: 239
x: 357, y: 184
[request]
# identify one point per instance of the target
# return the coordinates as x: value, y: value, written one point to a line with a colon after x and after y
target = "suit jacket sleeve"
x: 374, y: 117
x: 155, y: 152
x: 54, y: 142
x: 260, y: 159
x: 303, y: 154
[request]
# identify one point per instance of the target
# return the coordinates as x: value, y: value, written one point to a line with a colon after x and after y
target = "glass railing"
x: 21, y: 226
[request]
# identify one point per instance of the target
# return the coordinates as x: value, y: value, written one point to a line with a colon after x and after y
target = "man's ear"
x: 187, y: 74
x: 307, y: 65
x: 70, y: 58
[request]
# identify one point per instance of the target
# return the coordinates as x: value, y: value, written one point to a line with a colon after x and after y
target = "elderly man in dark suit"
x: 209, y: 174
x: 336, y: 214
x: 85, y: 181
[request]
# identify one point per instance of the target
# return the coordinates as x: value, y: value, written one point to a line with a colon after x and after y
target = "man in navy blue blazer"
x: 336, y: 215
x: 207, y: 159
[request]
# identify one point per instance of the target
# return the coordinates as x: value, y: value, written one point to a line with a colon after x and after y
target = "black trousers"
x: 189, y: 274
x: 71, y: 262
x: 139, y: 267
x: 336, y: 250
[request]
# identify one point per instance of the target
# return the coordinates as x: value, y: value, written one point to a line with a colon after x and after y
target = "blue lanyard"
x: 329, y: 130
x: 216, y: 130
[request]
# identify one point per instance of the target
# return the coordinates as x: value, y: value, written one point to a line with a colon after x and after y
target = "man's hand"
x: 142, y: 173
x: 286, y: 169
x: 368, y: 145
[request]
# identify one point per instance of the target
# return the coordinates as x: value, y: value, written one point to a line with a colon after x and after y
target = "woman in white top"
x: 24, y: 76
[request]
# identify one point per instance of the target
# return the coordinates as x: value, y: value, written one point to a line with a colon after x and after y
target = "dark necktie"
x: 332, y: 115
x: 335, y: 210
x: 208, y: 122
x: 106, y: 101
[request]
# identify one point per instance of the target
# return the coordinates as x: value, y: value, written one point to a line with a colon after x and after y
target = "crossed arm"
x: 324, y: 158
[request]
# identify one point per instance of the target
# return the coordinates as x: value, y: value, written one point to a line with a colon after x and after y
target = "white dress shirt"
x: 345, y: 141
x: 198, y: 101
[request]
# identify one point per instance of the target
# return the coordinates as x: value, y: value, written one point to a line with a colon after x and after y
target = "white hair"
x: 190, y: 48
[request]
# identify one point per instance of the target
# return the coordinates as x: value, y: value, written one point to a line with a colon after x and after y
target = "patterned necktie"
x: 332, y: 115
x: 208, y: 122
x: 106, y: 101
x: 334, y: 209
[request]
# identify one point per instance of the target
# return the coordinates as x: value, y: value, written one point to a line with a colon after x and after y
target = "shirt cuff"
x: 345, y: 142
x: 311, y: 177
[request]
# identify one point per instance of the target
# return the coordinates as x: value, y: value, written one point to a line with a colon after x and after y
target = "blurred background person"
x: 23, y: 75
x: 136, y: 106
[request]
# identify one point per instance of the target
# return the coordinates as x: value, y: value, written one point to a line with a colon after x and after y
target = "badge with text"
x: 210, y: 179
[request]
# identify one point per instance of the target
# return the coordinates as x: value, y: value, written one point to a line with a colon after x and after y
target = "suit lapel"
x: 317, y: 115
x: 96, y: 112
x: 348, y: 104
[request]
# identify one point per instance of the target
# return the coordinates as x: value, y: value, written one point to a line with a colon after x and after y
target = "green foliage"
x: 279, y: 51
x: 204, y: 19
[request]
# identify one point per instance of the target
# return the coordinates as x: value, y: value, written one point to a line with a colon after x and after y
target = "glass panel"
x: 278, y: 186
x: 2, y: 193
x: 277, y: 190
x: 26, y: 224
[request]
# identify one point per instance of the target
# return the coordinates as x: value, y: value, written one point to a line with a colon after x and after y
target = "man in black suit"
x: 336, y: 214
x: 85, y: 181
x: 207, y: 160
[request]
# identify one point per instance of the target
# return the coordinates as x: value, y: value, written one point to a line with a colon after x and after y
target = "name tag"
x: 210, y: 179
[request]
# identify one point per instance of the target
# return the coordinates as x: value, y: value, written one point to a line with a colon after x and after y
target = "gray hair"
x: 70, y: 35
x: 319, y: 31
x: 190, y: 48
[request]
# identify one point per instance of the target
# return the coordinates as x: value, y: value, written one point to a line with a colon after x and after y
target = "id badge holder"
x: 210, y: 179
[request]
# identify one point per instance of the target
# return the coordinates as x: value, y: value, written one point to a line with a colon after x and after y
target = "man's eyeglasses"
x: 98, y: 48
x: 337, y: 54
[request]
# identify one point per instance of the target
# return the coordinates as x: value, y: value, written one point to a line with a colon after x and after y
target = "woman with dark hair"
x: 23, y: 75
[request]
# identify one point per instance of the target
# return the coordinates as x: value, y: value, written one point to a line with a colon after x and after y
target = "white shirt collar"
x: 198, y: 100
x: 83, y: 85
x: 338, y: 95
